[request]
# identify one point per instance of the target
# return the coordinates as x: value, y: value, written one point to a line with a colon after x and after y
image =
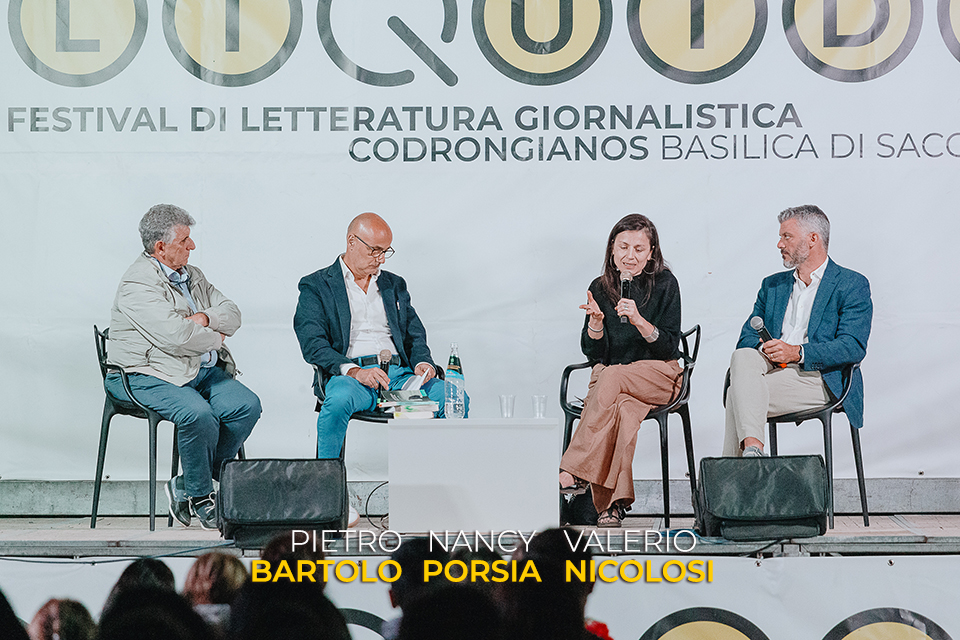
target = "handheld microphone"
x: 756, y: 323
x: 383, y: 359
x: 625, y: 280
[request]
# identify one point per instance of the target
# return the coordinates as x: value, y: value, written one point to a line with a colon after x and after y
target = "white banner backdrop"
x: 500, y: 196
x: 783, y: 599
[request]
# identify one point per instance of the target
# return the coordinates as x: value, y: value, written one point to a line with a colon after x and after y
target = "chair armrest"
x: 565, y: 381
x: 125, y: 380
x: 847, y: 374
x: 688, y: 355
x: 726, y: 385
x: 688, y: 358
x: 100, y: 340
x: 323, y: 377
x: 683, y: 395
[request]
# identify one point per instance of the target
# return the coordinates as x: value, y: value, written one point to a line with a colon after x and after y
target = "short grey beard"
x: 792, y: 262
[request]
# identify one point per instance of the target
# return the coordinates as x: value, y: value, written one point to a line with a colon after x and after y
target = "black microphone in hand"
x: 625, y: 279
x: 383, y: 359
x: 756, y: 323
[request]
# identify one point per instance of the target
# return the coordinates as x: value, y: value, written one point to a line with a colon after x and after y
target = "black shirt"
x: 621, y: 342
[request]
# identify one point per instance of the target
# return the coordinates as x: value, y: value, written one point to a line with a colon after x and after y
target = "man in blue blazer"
x: 347, y: 314
x: 819, y: 314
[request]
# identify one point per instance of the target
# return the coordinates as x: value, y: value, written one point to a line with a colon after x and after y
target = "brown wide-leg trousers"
x: 618, y: 399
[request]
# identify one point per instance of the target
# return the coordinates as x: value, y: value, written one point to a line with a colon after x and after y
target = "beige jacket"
x: 149, y: 332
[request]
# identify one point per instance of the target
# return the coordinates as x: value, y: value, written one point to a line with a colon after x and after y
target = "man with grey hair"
x: 819, y: 315
x: 167, y: 330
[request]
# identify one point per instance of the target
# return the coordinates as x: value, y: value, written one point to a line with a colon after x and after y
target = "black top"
x: 621, y: 342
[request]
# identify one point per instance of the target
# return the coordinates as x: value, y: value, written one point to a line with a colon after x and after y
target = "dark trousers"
x: 214, y: 415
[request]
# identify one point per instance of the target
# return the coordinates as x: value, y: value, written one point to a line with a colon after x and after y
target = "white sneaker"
x: 353, y: 519
x: 753, y: 451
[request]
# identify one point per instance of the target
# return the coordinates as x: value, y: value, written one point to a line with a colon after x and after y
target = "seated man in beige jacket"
x: 167, y: 331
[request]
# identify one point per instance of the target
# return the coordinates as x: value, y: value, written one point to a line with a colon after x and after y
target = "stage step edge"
x: 38, y: 498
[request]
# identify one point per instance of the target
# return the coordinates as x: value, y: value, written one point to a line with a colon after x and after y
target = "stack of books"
x: 407, y: 404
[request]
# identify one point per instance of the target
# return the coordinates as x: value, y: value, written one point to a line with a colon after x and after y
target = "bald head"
x: 368, y: 237
x: 368, y: 224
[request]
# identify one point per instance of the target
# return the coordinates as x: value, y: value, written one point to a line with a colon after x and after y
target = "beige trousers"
x: 618, y: 399
x: 759, y: 389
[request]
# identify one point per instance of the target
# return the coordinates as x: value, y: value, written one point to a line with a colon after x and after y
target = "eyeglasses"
x: 375, y: 252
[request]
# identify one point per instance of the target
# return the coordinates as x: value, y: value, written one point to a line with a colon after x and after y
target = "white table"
x: 474, y: 474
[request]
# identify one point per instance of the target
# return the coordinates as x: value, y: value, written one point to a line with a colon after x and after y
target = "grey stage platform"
x: 909, y: 516
x: 125, y: 536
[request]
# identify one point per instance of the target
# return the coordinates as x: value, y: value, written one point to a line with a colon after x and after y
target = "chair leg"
x: 828, y: 454
x: 665, y: 467
x: 101, y: 458
x: 345, y: 499
x: 858, y: 460
x: 345, y: 504
x: 684, y: 412
x: 175, y: 458
x: 773, y: 438
x: 567, y: 435
x: 567, y: 430
x: 174, y: 466
x: 152, y: 506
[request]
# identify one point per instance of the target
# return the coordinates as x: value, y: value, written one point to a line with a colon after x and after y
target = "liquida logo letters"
x: 536, y: 42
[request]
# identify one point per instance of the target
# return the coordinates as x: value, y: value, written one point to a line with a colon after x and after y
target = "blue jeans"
x: 345, y: 396
x: 213, y: 412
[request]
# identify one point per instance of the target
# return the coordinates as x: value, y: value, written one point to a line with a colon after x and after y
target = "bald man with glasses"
x: 347, y: 314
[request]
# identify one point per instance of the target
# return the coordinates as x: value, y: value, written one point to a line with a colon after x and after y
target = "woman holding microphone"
x: 632, y: 332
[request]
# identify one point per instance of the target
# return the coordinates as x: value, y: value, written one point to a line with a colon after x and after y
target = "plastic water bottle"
x: 453, y: 394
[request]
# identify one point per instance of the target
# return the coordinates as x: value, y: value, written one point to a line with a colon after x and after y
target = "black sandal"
x: 579, y: 487
x: 611, y: 518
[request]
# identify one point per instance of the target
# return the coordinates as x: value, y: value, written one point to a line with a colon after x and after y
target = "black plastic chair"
x: 824, y: 415
x: 572, y: 411
x: 113, y: 406
x: 366, y: 416
x: 130, y: 406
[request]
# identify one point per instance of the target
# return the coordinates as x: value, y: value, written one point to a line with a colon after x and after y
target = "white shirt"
x: 797, y: 318
x: 369, y: 331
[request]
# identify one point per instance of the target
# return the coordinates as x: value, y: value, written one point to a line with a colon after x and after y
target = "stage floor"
x: 130, y: 536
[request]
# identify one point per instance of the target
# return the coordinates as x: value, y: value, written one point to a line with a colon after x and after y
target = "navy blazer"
x: 838, y: 331
x: 322, y: 320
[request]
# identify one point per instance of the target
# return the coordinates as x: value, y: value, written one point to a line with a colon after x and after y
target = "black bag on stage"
x: 260, y: 498
x: 747, y: 499
x: 579, y: 510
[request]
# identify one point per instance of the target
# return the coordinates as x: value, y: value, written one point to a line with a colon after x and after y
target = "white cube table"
x: 474, y: 474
